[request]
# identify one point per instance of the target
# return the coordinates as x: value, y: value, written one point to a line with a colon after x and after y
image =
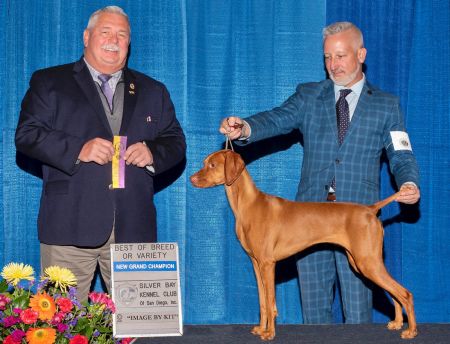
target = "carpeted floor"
x: 305, y: 334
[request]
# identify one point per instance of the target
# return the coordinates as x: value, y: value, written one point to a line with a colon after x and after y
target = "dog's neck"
x: 241, y: 193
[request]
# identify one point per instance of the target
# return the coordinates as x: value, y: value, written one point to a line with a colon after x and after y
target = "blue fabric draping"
x: 219, y: 58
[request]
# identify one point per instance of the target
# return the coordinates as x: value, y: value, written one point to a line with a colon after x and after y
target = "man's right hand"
x: 97, y: 150
x: 234, y: 128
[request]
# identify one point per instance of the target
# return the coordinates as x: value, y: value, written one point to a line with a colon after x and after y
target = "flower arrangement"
x: 52, y: 314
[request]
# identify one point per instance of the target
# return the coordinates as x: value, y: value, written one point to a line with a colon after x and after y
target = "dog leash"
x: 228, y: 140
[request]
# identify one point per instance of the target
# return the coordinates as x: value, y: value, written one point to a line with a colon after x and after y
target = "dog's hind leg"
x: 397, y: 323
x: 375, y: 270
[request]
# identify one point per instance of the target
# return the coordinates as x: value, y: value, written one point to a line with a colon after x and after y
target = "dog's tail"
x: 377, y: 206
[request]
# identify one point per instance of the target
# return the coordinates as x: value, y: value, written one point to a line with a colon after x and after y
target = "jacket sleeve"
x: 402, y: 161
x: 169, y: 146
x: 280, y: 120
x: 36, y: 136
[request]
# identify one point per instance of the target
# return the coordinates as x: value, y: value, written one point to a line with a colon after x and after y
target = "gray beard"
x: 347, y: 80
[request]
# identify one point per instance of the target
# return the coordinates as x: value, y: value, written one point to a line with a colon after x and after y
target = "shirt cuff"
x: 248, y: 129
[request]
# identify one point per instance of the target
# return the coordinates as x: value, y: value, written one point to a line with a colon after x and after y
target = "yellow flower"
x: 14, y: 272
x: 61, y: 277
x: 44, y: 335
x: 44, y: 305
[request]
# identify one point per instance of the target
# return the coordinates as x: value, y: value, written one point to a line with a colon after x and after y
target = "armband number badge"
x: 400, y: 140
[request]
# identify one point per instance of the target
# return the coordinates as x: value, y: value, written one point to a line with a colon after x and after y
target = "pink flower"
x: 10, y: 340
x: 3, y: 302
x: 58, y: 317
x: 64, y: 304
x: 103, y: 299
x: 97, y: 297
x: 111, y: 306
x: 79, y: 339
x: 29, y: 316
x: 126, y: 340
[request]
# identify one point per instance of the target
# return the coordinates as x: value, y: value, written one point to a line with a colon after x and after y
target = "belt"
x: 331, y: 197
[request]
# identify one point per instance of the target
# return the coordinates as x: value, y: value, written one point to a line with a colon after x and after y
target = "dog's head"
x: 222, y: 167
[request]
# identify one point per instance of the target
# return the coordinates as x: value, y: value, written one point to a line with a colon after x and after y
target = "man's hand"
x: 234, y: 128
x: 138, y: 154
x: 97, y: 150
x: 409, y: 194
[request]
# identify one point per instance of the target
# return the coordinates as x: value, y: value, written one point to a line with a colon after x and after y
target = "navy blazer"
x: 356, y: 163
x: 60, y: 112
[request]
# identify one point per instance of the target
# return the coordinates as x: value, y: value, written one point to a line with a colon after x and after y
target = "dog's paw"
x: 395, y: 325
x: 409, y: 333
x: 267, y: 335
x: 257, y: 330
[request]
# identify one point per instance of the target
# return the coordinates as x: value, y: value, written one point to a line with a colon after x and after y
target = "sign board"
x: 146, y: 290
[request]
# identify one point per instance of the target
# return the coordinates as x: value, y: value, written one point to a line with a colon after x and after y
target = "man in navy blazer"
x: 346, y: 170
x: 67, y: 122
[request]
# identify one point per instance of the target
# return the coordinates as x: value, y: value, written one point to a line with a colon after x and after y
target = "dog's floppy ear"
x: 234, y: 165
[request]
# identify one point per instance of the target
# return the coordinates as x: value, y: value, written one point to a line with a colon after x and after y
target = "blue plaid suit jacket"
x: 356, y: 163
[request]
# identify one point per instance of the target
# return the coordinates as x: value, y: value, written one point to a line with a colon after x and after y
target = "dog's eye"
x: 212, y: 165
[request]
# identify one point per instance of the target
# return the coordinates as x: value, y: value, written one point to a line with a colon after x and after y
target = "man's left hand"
x: 409, y: 194
x: 139, y: 155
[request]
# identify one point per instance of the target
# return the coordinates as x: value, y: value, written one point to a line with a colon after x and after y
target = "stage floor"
x: 305, y: 334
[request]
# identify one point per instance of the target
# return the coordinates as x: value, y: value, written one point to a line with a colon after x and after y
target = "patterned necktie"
x: 343, y: 120
x: 106, y: 89
x: 343, y: 114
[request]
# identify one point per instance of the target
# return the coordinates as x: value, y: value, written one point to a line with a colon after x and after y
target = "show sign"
x: 146, y: 290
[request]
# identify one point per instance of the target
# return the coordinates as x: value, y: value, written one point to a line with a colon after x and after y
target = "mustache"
x: 110, y: 47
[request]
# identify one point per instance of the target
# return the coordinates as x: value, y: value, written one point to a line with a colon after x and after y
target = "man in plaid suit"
x: 344, y: 167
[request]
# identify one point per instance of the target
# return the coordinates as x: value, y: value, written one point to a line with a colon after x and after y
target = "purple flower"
x: 96, y: 333
x: 17, y: 335
x: 11, y: 321
x: 17, y: 310
x: 72, y: 292
x: 42, y: 284
x: 62, y: 327
x: 77, y: 303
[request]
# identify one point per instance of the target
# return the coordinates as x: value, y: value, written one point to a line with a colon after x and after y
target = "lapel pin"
x: 131, y: 92
x: 149, y: 119
x: 132, y: 86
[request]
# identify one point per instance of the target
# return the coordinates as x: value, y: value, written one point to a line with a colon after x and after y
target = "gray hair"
x: 341, y: 27
x: 108, y: 9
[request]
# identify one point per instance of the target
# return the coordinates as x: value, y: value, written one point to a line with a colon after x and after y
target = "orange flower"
x: 41, y: 335
x: 44, y: 305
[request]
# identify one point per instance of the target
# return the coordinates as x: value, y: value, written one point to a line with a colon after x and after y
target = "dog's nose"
x: 194, y: 179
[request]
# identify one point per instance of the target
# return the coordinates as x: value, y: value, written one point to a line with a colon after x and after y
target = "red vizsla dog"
x: 271, y: 228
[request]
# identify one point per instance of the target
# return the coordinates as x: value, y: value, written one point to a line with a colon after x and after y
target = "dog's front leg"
x: 258, y: 330
x: 268, y: 281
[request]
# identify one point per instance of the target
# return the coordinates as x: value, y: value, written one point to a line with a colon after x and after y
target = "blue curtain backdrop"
x: 238, y: 57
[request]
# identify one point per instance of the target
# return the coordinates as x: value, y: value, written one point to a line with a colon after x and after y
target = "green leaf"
x: 3, y: 286
x: 89, y: 331
x: 81, y: 325
x: 103, y: 329
x: 21, y: 301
